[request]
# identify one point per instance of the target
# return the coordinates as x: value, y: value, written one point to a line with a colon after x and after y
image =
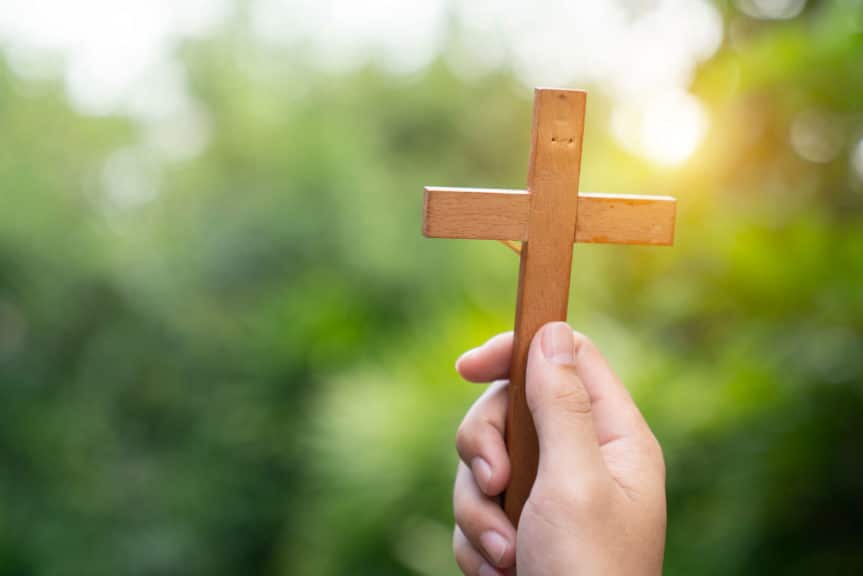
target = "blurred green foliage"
x: 252, y: 372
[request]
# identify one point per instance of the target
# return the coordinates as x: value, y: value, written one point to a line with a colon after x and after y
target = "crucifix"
x: 547, y: 219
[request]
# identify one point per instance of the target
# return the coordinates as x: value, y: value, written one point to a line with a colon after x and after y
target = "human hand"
x: 598, y: 503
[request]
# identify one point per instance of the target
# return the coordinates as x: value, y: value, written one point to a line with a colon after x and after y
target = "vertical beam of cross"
x: 548, y: 218
x: 546, y: 259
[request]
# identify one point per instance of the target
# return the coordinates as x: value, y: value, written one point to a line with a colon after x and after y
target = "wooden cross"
x: 547, y: 218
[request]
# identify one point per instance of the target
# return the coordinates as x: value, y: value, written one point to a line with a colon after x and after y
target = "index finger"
x: 487, y: 362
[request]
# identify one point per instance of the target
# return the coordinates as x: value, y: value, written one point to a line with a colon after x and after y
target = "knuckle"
x: 474, y: 436
x: 573, y: 397
x: 462, y: 509
x: 457, y: 541
x: 463, y: 437
x: 588, y: 496
x: 460, y: 552
x: 581, y: 501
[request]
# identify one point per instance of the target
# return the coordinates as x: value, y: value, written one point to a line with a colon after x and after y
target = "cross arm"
x: 478, y: 213
x: 503, y: 215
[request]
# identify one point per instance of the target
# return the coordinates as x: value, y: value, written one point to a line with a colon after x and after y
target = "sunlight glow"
x: 772, y: 9
x: 666, y: 129
x: 110, y: 51
x: 115, y: 52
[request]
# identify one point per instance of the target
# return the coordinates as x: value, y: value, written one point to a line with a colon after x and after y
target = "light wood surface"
x: 475, y: 213
x: 485, y: 214
x: 547, y: 218
x: 546, y: 259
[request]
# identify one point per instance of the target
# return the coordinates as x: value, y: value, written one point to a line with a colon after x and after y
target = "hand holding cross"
x: 547, y: 218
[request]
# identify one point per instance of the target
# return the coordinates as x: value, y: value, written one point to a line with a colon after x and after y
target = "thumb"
x: 561, y: 407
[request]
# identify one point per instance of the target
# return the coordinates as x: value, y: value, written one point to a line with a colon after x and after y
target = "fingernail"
x: 558, y: 345
x: 481, y: 471
x: 487, y: 570
x: 494, y: 545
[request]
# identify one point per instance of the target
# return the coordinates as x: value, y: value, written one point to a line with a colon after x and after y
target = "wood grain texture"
x: 475, y: 213
x: 546, y: 259
x: 626, y: 219
x: 488, y: 214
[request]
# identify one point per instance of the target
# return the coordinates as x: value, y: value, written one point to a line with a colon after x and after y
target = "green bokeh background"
x: 252, y: 373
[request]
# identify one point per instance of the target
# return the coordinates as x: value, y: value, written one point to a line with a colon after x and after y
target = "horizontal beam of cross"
x: 489, y: 214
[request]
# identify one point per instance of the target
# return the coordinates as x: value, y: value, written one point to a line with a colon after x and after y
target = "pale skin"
x: 598, y: 503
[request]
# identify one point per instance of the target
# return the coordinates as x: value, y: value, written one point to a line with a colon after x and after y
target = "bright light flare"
x: 666, y: 129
